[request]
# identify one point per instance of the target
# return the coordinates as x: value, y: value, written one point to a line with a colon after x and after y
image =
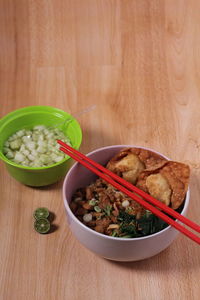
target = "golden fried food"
x: 177, y: 177
x: 150, y: 159
x: 165, y: 180
x: 130, y: 162
x: 159, y: 188
x: 128, y: 166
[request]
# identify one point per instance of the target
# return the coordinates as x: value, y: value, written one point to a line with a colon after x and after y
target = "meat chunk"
x: 102, y: 224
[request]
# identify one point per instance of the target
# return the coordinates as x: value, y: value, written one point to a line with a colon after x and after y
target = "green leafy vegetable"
x: 125, y: 217
x: 147, y: 224
x: 128, y: 228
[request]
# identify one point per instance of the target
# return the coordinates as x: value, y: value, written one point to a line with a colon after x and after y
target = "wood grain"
x: 139, y: 62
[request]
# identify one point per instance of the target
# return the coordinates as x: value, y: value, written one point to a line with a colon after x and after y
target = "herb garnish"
x: 108, y: 209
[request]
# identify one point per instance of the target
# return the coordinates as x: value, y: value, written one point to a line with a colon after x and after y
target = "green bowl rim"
x: 28, y: 109
x: 23, y: 110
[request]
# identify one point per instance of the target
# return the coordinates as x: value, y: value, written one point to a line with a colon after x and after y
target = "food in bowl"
x: 114, y: 248
x: 106, y: 210
x: 27, y: 118
x: 35, y: 147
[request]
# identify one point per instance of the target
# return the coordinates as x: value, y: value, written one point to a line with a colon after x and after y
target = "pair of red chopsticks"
x: 128, y: 189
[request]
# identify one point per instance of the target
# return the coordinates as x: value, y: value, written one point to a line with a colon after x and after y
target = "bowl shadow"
x: 164, y: 261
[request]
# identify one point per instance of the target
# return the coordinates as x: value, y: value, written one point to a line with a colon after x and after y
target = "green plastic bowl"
x: 28, y: 117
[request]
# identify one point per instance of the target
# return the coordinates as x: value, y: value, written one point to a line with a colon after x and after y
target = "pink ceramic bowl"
x: 119, y: 249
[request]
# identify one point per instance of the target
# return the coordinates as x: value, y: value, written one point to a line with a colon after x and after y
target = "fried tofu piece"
x: 130, y: 162
x: 176, y: 176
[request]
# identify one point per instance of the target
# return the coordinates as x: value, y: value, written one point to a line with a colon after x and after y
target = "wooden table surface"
x: 139, y: 62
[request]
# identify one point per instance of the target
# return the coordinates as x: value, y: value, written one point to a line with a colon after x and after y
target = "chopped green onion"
x: 87, y: 218
x: 107, y: 210
x: 97, y: 208
x: 93, y: 202
x: 125, y: 203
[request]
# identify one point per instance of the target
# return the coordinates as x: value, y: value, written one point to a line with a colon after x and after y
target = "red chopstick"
x: 84, y: 160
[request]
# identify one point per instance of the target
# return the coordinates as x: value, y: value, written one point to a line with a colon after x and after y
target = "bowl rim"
x: 25, y: 110
x: 104, y: 236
